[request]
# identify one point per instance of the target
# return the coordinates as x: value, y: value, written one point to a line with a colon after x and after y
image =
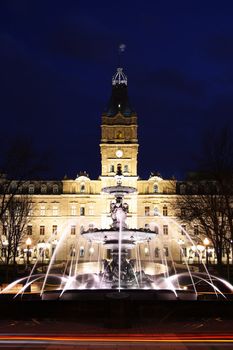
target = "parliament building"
x: 73, y: 205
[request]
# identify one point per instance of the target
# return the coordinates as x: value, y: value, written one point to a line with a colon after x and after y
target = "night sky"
x: 57, y: 59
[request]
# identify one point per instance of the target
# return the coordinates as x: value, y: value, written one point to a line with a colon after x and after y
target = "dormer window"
x: 182, y: 189
x: 55, y: 188
x: 155, y: 188
x: 31, y: 189
x: 43, y: 188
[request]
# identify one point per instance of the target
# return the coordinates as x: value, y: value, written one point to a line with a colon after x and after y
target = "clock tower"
x: 119, y: 143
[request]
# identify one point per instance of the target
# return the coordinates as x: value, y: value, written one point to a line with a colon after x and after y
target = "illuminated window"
x: 73, y: 209
x: 42, y: 230
x: 42, y: 210
x: 54, y: 229
x: 29, y: 230
x: 126, y: 168
x: 155, y: 188
x: 73, y: 230
x: 156, y: 212
x: 165, y: 211
x: 147, y: 211
x: 165, y: 229
x: 55, y: 210
x: 91, y: 210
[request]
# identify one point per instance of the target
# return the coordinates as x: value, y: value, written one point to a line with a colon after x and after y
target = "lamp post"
x: 180, y: 242
x: 206, y: 243
x: 146, y: 251
x: 28, y: 243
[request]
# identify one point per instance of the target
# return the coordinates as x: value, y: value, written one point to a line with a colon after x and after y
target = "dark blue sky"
x: 57, y: 59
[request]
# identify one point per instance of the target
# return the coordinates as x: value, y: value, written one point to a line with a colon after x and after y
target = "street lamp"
x: 28, y: 243
x: 206, y: 243
x: 91, y: 250
x: 180, y: 242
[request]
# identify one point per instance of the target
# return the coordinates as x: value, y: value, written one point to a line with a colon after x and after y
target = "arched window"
x: 55, y: 188
x: 31, y: 188
x: 43, y: 188
x: 119, y: 169
x: 82, y: 188
x: 155, y: 188
x: 156, y: 211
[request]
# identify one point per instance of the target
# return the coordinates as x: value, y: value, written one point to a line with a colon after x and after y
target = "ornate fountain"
x: 119, y: 271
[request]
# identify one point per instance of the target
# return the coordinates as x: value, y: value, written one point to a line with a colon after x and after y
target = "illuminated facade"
x: 71, y: 205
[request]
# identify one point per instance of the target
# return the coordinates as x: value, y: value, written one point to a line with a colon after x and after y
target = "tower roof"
x: 119, y: 101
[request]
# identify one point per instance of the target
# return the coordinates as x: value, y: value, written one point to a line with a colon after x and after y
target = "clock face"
x: 119, y: 153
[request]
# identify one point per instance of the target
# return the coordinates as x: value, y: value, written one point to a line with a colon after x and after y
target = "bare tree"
x: 208, y: 200
x: 207, y: 210
x: 14, y: 226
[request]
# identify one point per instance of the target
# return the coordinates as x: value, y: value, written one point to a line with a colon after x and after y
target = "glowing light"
x: 28, y: 241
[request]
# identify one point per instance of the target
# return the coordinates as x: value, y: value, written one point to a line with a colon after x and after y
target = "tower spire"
x: 119, y: 77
